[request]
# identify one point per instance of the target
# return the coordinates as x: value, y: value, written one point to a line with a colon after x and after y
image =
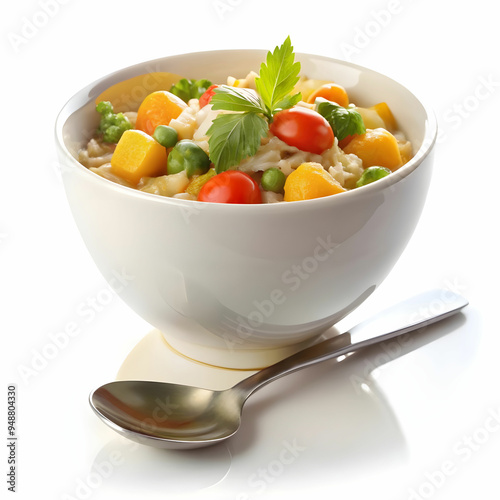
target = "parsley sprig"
x: 235, y: 99
x: 277, y: 78
x: 237, y: 135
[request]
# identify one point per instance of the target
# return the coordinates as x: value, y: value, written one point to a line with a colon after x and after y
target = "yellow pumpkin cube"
x: 310, y: 180
x: 383, y: 110
x: 138, y: 155
x: 377, y: 147
x: 371, y: 118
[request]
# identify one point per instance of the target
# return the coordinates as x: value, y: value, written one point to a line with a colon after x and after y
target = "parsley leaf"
x: 344, y: 121
x: 235, y: 99
x: 190, y: 89
x: 288, y: 102
x: 234, y: 137
x: 277, y: 77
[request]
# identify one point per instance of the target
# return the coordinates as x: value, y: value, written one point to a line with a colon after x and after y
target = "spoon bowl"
x: 181, y: 417
x: 168, y: 415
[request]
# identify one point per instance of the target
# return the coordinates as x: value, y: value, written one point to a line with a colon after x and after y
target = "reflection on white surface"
x: 330, y: 421
x: 314, y: 422
x: 128, y: 466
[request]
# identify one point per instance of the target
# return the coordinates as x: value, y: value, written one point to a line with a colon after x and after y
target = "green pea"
x: 372, y: 174
x: 187, y: 155
x: 166, y: 136
x: 273, y: 179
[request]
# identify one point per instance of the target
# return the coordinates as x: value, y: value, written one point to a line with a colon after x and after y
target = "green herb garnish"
x: 237, y: 135
x: 277, y: 78
x: 190, y: 89
x: 235, y: 99
x: 344, y: 121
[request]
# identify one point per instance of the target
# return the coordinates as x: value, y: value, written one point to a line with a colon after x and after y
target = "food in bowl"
x: 240, y: 285
x: 268, y: 137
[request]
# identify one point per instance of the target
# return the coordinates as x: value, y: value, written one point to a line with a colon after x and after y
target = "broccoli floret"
x: 112, y: 125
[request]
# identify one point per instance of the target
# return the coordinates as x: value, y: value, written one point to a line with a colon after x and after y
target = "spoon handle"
x: 409, y: 315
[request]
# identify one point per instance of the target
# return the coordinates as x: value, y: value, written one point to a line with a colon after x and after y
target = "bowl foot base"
x: 237, y: 358
x: 155, y: 358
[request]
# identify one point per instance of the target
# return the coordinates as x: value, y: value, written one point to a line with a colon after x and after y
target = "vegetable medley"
x: 269, y: 137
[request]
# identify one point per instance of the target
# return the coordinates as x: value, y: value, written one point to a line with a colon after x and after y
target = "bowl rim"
x: 428, y: 141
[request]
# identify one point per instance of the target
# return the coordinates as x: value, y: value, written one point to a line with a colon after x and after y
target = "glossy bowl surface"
x: 244, y: 285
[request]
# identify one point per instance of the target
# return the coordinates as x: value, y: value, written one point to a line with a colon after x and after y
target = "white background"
x: 427, y: 427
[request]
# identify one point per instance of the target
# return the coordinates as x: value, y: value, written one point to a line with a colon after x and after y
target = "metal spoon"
x: 180, y: 417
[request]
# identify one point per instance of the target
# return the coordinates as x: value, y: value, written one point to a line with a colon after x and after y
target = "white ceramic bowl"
x: 243, y: 285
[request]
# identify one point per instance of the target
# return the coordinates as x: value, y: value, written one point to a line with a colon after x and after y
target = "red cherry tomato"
x: 206, y: 97
x: 304, y: 129
x: 231, y: 186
